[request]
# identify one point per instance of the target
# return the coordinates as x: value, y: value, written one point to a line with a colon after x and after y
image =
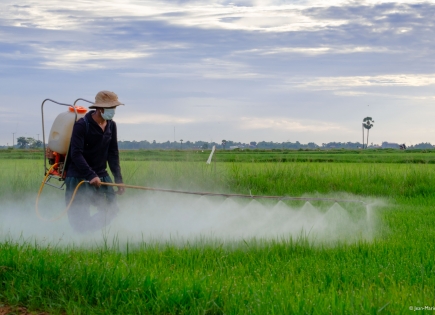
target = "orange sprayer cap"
x: 79, y: 109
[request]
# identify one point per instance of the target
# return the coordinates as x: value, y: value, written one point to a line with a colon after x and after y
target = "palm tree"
x: 224, y: 143
x: 367, y: 124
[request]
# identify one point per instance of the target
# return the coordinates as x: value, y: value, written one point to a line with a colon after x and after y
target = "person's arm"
x: 77, y: 146
x: 113, y: 157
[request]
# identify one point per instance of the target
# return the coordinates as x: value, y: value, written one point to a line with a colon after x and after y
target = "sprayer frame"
x: 59, y: 178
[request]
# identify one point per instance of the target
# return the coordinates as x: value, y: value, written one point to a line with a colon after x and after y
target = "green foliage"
x: 368, y: 122
x: 423, y: 155
x: 279, y: 155
x: 28, y: 143
x: 288, y: 276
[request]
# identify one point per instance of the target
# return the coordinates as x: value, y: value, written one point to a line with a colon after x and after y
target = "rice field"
x: 45, y: 268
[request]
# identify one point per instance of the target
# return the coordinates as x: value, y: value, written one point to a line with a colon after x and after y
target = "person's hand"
x: 121, y: 190
x: 95, y: 182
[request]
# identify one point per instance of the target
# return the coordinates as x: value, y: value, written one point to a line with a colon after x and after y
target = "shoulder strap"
x: 68, y: 158
x: 87, y: 124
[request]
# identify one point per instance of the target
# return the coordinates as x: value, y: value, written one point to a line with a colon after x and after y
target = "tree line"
x: 28, y: 143
x: 264, y: 145
x: 31, y: 143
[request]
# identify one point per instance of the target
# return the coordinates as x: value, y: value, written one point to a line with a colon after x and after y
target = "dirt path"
x: 7, y: 310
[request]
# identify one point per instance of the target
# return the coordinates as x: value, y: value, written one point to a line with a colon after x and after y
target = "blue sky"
x: 237, y: 70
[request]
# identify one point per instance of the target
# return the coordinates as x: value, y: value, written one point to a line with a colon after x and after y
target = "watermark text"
x: 422, y: 308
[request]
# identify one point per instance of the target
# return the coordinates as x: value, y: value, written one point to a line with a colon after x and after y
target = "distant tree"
x: 36, y: 144
x: 425, y: 145
x: 181, y: 141
x: 312, y: 145
x: 367, y: 124
x: 22, y: 142
x: 224, y: 143
x: 262, y: 145
x: 28, y: 142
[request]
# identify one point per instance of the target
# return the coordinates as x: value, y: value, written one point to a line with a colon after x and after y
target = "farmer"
x: 94, y: 143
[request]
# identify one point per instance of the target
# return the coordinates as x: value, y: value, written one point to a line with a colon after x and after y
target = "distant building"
x: 390, y: 145
x: 232, y: 147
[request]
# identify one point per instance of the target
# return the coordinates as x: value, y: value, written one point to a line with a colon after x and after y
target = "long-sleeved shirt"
x: 91, y: 149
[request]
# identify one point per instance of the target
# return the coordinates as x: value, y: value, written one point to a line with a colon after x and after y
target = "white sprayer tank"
x: 61, y: 130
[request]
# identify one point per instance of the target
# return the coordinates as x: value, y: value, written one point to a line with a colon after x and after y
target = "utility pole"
x: 13, y: 139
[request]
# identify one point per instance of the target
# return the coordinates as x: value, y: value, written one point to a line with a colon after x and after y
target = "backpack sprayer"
x: 56, y: 154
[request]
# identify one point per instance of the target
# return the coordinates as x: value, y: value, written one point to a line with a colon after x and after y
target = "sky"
x: 265, y: 70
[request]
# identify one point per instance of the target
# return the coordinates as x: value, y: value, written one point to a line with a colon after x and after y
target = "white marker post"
x: 211, y: 155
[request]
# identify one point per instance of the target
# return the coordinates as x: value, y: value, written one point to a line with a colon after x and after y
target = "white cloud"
x: 209, y: 68
x: 314, y: 51
x: 176, y: 55
x: 66, y: 15
x: 286, y: 124
x: 86, y: 59
x: 152, y: 119
x: 339, y: 82
x: 385, y: 95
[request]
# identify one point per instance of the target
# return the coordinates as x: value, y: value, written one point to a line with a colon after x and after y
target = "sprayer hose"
x: 180, y: 192
x: 39, y: 194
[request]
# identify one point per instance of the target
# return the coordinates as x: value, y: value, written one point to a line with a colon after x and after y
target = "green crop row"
x: 259, y: 156
x: 388, y: 275
x: 378, y: 179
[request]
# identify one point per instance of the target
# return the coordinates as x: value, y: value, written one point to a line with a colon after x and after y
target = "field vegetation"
x: 387, y: 275
x: 420, y: 156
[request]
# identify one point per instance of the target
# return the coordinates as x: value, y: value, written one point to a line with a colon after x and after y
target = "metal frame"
x: 82, y: 99
x: 43, y: 140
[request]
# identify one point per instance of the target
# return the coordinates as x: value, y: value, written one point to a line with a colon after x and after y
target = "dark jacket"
x: 91, y: 149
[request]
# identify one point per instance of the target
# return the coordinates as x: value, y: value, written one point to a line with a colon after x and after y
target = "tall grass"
x: 278, y: 278
x: 386, y: 180
x: 289, y: 276
x: 258, y: 156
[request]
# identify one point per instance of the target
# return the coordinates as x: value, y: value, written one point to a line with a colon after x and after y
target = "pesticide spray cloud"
x: 174, y: 218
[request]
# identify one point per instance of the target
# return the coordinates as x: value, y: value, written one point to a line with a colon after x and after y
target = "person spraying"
x: 94, y: 144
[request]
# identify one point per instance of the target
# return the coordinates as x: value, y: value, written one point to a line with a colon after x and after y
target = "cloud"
x: 385, y: 95
x: 152, y: 119
x: 208, y: 68
x: 287, y: 124
x: 86, y: 60
x: 267, y: 16
x: 314, y: 51
x: 197, y: 63
x: 392, y: 80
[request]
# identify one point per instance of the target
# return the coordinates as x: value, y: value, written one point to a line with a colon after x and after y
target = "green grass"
x: 278, y: 278
x: 276, y: 155
x: 288, y: 276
